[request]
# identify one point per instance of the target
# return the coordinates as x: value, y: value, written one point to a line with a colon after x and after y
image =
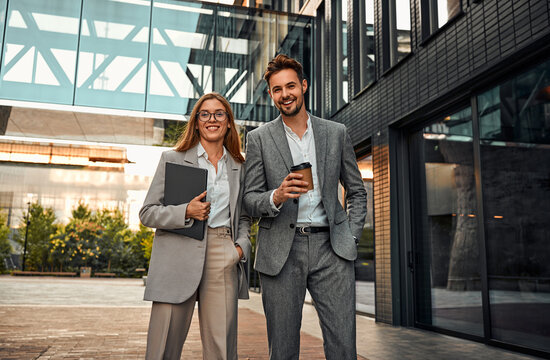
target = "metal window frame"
x: 389, y: 34
x: 336, y: 57
x: 360, y: 44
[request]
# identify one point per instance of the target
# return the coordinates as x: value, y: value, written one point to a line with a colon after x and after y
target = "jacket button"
x: 292, y: 226
x: 295, y: 201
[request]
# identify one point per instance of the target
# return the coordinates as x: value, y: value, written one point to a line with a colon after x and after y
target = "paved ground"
x: 52, y: 318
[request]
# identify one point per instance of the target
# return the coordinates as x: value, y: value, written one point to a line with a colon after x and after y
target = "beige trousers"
x: 217, y: 296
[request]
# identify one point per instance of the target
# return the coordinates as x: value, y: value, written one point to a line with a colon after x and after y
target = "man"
x: 306, y: 240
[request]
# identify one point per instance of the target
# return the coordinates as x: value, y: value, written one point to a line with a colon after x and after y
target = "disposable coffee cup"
x: 305, y: 170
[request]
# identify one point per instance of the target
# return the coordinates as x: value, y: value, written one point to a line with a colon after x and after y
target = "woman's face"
x: 212, y: 121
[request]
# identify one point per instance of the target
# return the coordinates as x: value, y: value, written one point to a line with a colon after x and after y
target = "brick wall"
x: 381, y: 200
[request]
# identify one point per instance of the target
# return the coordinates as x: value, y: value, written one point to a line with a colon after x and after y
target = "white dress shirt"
x: 310, y: 208
x: 217, y: 189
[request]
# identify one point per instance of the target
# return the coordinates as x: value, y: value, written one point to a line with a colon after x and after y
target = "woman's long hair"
x: 191, y: 136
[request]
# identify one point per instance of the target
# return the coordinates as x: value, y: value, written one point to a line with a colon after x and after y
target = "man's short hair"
x: 282, y: 62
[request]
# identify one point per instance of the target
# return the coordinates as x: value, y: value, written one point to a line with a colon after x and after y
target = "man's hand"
x: 291, y: 188
x: 197, y: 209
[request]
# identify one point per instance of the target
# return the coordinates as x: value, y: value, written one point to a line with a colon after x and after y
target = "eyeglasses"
x: 205, y: 116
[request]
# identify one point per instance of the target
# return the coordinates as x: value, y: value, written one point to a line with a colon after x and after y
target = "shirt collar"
x: 202, y: 153
x: 289, y: 131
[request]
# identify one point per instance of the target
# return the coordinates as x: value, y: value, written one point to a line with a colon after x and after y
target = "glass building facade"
x: 156, y: 56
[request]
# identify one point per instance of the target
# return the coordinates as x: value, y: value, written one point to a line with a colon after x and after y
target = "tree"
x: 76, y: 244
x: 82, y: 211
x: 82, y: 239
x: 144, y: 237
x: 172, y: 131
x: 60, y: 253
x: 41, y: 229
x: 113, y: 239
x: 5, y: 246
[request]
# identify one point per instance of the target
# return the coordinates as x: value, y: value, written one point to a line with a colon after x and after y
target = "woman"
x: 184, y: 270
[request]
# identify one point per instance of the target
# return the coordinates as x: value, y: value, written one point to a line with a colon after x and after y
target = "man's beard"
x: 292, y: 112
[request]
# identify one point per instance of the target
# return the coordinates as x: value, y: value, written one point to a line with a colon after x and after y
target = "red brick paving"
x: 60, y: 332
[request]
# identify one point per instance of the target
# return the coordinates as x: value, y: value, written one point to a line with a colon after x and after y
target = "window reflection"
x: 337, y: 62
x: 446, y: 10
x: 344, y: 50
x: 364, y: 264
x: 366, y: 44
x: 397, y: 23
x: 447, y: 248
x: 515, y: 157
x: 436, y: 13
x: 402, y: 28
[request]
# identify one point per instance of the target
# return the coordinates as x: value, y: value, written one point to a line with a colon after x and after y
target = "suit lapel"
x: 190, y: 157
x: 234, y: 182
x: 281, y: 142
x: 320, y: 136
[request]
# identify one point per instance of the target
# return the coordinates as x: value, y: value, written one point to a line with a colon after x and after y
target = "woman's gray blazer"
x: 177, y: 261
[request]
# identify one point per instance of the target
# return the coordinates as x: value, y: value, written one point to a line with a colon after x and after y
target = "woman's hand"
x: 240, y: 251
x: 198, y: 209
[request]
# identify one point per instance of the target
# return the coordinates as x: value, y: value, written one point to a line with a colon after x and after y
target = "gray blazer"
x: 176, y: 266
x: 268, y: 162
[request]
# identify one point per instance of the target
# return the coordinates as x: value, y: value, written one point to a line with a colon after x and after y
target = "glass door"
x: 447, y: 263
x: 502, y: 257
x: 514, y: 121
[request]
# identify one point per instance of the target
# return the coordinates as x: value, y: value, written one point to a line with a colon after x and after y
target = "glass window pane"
x: 344, y: 50
x: 181, y: 55
x: 515, y: 158
x: 40, y: 70
x: 367, y: 46
x: 446, y: 10
x: 364, y: 264
x: 112, y: 62
x: 402, y: 30
x: 245, y: 43
x: 447, y: 248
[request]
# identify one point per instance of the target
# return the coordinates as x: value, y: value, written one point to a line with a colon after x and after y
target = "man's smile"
x: 288, y: 101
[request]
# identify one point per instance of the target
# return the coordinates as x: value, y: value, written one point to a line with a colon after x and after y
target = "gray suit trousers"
x: 330, y: 279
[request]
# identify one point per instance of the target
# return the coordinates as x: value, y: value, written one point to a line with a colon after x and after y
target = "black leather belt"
x: 312, y: 229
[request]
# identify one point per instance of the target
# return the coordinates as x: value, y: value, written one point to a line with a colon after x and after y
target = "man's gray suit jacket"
x: 177, y: 261
x: 268, y: 162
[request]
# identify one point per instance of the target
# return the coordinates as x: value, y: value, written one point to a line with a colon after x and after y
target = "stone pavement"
x: 62, y: 318
x: 55, y: 318
x: 60, y: 332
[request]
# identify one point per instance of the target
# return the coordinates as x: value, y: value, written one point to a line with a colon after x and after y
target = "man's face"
x: 287, y: 91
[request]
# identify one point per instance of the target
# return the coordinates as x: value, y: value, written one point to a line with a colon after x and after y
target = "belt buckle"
x: 302, y: 230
